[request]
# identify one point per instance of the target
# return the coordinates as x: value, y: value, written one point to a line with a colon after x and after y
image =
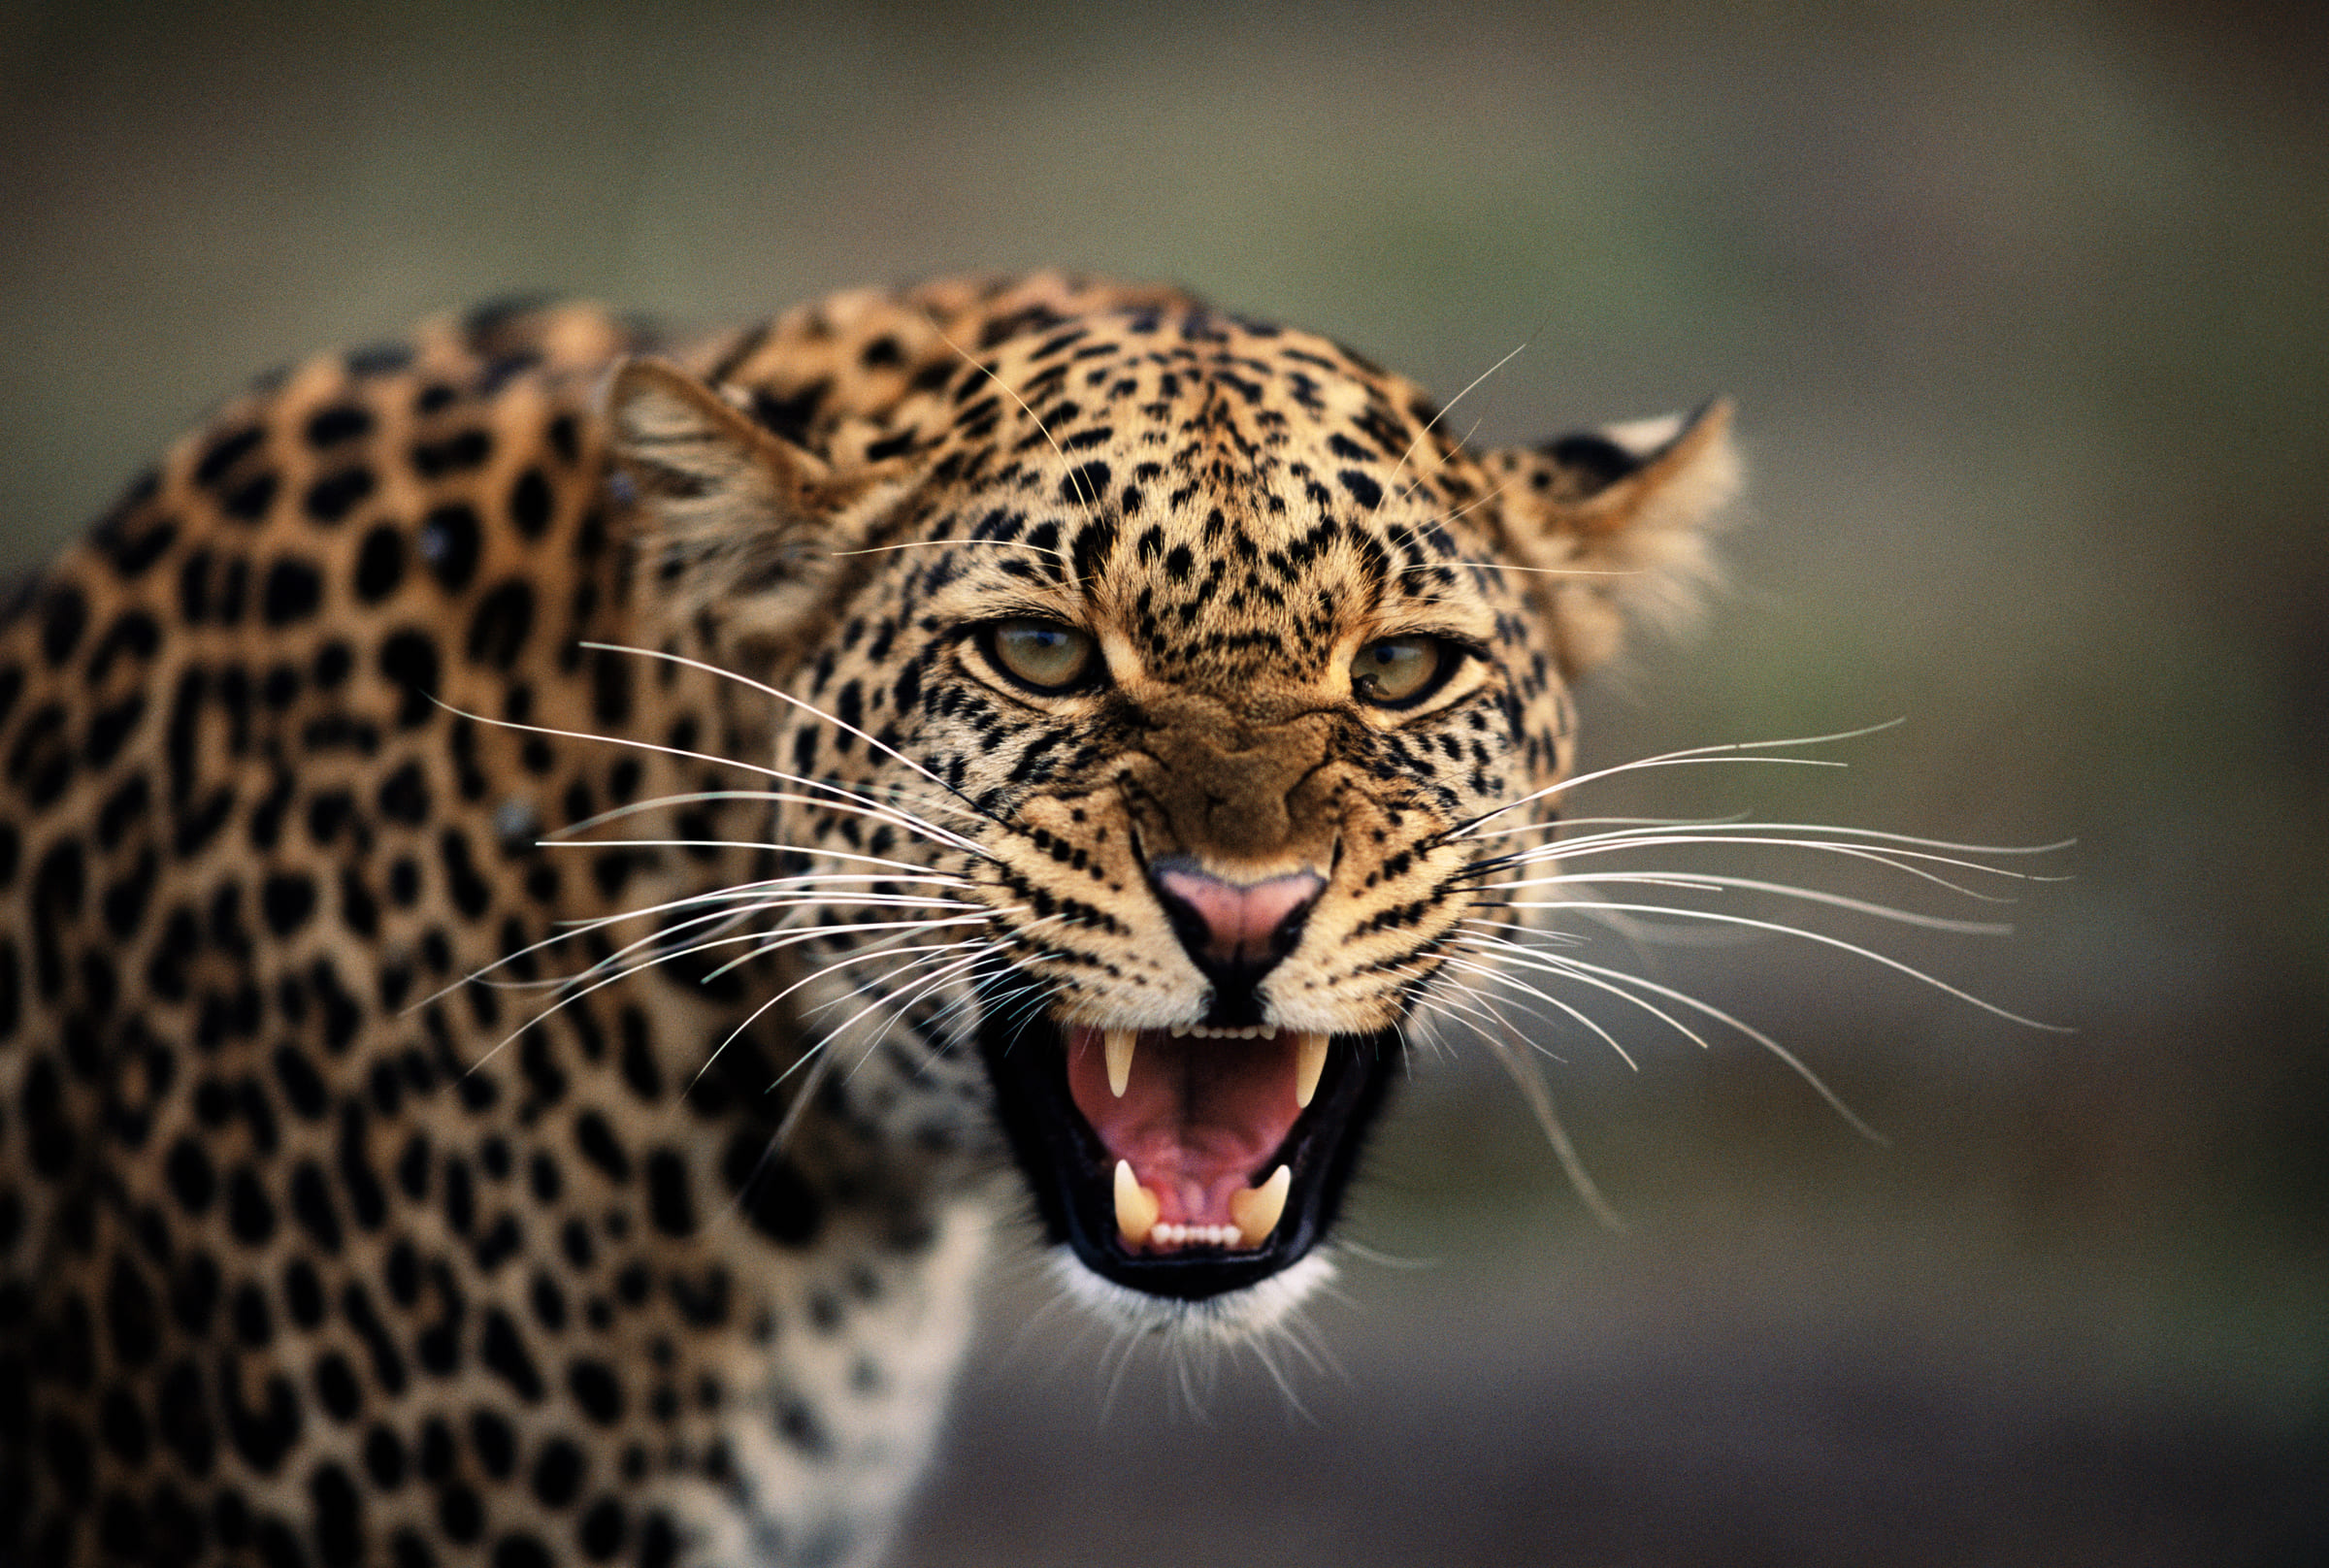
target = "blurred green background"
x: 2024, y: 306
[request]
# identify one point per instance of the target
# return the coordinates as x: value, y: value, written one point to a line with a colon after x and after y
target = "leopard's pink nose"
x: 1234, y: 932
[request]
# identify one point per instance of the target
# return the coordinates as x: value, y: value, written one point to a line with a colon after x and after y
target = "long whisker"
x: 924, y: 828
x: 665, y: 956
x: 1731, y: 751
x: 663, y: 936
x: 1507, y: 565
x: 809, y: 709
x: 1444, y: 410
x: 921, y: 544
x: 1649, y: 828
x: 794, y: 938
x: 1090, y: 502
x: 1521, y: 1068
x: 923, y: 986
x: 1490, y: 973
x: 744, y: 843
x: 809, y: 1087
x: 579, y: 929
x: 746, y: 898
x: 843, y: 796
x: 1821, y: 937
x: 877, y: 950
x: 1416, y: 485
x: 1898, y: 859
x: 1557, y: 822
x: 1507, y: 951
x: 1711, y: 883
x: 1580, y: 970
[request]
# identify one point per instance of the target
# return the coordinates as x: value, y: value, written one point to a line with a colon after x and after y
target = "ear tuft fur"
x: 1620, y: 516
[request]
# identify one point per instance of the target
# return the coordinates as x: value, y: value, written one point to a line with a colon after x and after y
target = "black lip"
x: 1068, y: 1170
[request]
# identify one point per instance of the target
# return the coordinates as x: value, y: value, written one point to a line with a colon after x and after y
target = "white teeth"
x: 1309, y: 1061
x: 1120, y: 1043
x: 1203, y: 1031
x: 1255, y: 1212
x: 1136, y: 1206
x: 1256, y: 1209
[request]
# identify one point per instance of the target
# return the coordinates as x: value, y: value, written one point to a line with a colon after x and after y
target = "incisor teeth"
x: 1136, y: 1206
x: 1256, y: 1209
x: 1309, y: 1061
x: 1120, y: 1043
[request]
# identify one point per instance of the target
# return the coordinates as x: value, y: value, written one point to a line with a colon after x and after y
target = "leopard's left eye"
x: 1401, y: 671
x: 1044, y: 656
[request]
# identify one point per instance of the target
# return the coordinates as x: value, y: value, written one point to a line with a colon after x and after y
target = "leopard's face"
x: 1166, y: 673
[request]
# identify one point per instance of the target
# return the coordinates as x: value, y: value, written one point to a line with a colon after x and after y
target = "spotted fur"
x: 328, y: 1240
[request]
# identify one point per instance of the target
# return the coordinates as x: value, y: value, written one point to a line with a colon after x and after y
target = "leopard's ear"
x: 741, y: 529
x: 1614, y: 523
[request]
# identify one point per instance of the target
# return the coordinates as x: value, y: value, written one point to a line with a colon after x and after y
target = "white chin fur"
x: 1232, y: 1318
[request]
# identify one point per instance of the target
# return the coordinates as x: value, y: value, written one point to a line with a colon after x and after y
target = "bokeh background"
x: 2024, y: 309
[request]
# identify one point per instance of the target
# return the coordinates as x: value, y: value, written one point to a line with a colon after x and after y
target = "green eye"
x: 1043, y: 655
x: 1397, y: 671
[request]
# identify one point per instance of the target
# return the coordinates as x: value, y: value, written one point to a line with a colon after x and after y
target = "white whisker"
x: 1490, y: 973
x: 1521, y: 1068
x: 715, y: 760
x: 1821, y: 937
x: 847, y: 800
x: 1091, y: 503
x: 1550, y: 963
x: 1898, y: 859
x: 1444, y: 410
x: 809, y: 709
x: 1712, y: 883
x: 1794, y: 1064
x: 1735, y: 751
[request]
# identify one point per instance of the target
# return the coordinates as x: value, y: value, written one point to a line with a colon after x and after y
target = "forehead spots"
x: 1232, y: 499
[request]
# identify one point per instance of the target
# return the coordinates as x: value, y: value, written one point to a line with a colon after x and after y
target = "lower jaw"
x: 1070, y: 1172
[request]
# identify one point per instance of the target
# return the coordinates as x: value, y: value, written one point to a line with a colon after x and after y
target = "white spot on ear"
x: 1645, y: 438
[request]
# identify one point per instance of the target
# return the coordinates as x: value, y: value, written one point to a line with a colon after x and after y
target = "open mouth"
x: 1186, y: 1163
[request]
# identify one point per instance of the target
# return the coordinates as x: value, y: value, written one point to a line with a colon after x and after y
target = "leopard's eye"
x: 1399, y: 671
x: 1044, y: 656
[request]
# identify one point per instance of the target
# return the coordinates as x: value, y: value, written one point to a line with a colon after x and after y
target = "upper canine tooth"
x: 1309, y: 1061
x: 1137, y: 1207
x: 1256, y: 1209
x: 1119, y: 1043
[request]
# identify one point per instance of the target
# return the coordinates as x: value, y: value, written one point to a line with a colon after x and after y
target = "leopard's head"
x: 1161, y: 679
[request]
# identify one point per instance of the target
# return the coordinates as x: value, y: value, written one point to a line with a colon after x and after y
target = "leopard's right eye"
x: 1049, y: 657
x: 1401, y: 671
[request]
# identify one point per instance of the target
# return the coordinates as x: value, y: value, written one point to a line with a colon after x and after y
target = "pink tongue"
x: 1197, y: 1120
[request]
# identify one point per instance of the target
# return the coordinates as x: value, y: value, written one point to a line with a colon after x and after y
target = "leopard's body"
x: 322, y: 1246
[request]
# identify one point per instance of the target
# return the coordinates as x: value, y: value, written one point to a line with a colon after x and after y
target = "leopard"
x: 564, y: 888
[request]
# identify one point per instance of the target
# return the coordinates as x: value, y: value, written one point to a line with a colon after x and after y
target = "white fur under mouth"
x: 1229, y: 1318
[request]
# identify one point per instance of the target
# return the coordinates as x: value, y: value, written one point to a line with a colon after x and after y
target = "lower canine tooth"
x: 1256, y: 1209
x: 1309, y: 1061
x: 1136, y: 1206
x: 1120, y: 1043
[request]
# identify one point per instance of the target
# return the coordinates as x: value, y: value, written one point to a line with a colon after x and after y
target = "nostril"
x: 1234, y: 931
